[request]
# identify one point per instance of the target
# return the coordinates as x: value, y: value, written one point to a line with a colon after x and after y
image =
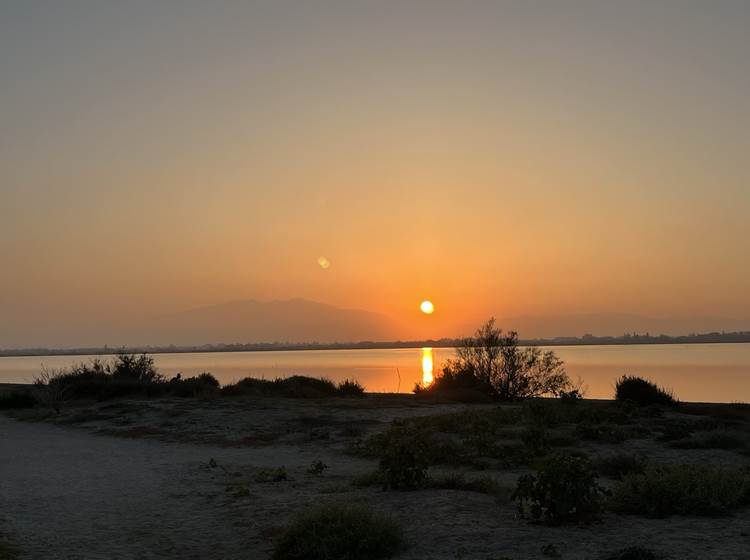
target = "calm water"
x: 696, y: 372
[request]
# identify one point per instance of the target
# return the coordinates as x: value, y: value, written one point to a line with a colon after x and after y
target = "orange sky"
x: 498, y: 159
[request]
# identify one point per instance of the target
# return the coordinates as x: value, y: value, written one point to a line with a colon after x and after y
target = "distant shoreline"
x: 587, y: 340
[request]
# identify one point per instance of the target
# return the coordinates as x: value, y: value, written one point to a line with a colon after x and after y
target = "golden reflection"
x: 427, y: 377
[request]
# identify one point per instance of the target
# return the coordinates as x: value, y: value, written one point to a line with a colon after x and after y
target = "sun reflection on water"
x: 427, y: 377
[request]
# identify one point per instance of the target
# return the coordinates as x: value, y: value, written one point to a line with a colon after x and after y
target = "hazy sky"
x: 515, y: 158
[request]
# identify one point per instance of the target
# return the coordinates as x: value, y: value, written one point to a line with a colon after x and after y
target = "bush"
x: 492, y: 363
x: 606, y: 433
x: 205, y: 385
x: 663, y: 490
x: 296, y: 386
x: 642, y: 392
x: 563, y: 489
x: 16, y: 400
x: 339, y: 532
x: 405, y: 459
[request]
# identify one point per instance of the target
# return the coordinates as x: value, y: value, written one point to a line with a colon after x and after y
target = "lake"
x: 696, y: 372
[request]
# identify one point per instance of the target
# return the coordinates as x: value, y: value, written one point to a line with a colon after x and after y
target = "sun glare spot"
x: 324, y: 263
x: 426, y: 307
x: 427, y: 377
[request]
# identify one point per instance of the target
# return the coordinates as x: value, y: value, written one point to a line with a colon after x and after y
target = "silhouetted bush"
x: 128, y: 375
x: 339, y: 532
x: 16, y: 400
x: 642, y: 391
x: 491, y: 363
x: 204, y: 385
x: 663, y: 490
x: 564, y: 488
x: 350, y: 388
x: 296, y: 386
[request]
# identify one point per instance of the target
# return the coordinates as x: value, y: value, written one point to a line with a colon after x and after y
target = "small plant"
x: 405, y: 459
x: 642, y: 392
x: 481, y: 484
x: 663, y: 490
x: 564, y: 488
x: 606, y: 433
x: 270, y: 475
x: 317, y: 467
x: 339, y: 532
x: 551, y: 551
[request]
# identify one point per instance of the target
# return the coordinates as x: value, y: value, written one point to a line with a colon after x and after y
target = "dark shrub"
x: 296, y: 386
x: 663, y: 490
x: 350, y: 388
x: 128, y: 375
x: 16, y: 400
x: 405, y: 458
x: 563, y: 489
x: 204, y: 385
x: 339, y: 532
x: 492, y: 363
x: 642, y: 392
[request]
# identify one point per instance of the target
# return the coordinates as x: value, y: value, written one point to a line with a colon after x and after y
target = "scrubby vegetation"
x: 492, y: 365
x: 618, y: 465
x: 127, y: 375
x: 339, y: 532
x: 663, y: 490
x: 564, y: 488
x: 297, y: 386
x: 642, y: 392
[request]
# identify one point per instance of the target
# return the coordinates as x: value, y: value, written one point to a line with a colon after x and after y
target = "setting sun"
x: 426, y: 307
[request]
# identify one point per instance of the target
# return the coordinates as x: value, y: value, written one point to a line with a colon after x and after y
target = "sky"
x: 497, y: 158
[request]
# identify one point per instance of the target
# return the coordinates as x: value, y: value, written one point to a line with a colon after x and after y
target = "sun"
x: 426, y: 307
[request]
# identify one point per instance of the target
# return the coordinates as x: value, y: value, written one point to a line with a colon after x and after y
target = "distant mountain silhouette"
x: 293, y: 320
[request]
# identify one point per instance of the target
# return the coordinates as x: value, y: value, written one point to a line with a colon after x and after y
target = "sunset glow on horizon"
x: 431, y: 148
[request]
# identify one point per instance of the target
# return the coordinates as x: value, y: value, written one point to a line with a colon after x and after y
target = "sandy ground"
x: 136, y: 480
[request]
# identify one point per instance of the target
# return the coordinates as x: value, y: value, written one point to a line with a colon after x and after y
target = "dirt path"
x: 67, y: 494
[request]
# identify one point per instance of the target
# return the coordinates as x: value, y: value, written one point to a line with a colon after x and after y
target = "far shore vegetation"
x: 585, y: 340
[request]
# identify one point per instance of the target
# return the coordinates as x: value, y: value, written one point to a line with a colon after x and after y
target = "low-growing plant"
x: 270, y: 475
x: 405, y: 459
x: 642, y: 392
x: 296, y: 386
x: 564, y: 488
x: 606, y: 433
x: 663, y: 490
x: 339, y: 532
x: 317, y: 467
